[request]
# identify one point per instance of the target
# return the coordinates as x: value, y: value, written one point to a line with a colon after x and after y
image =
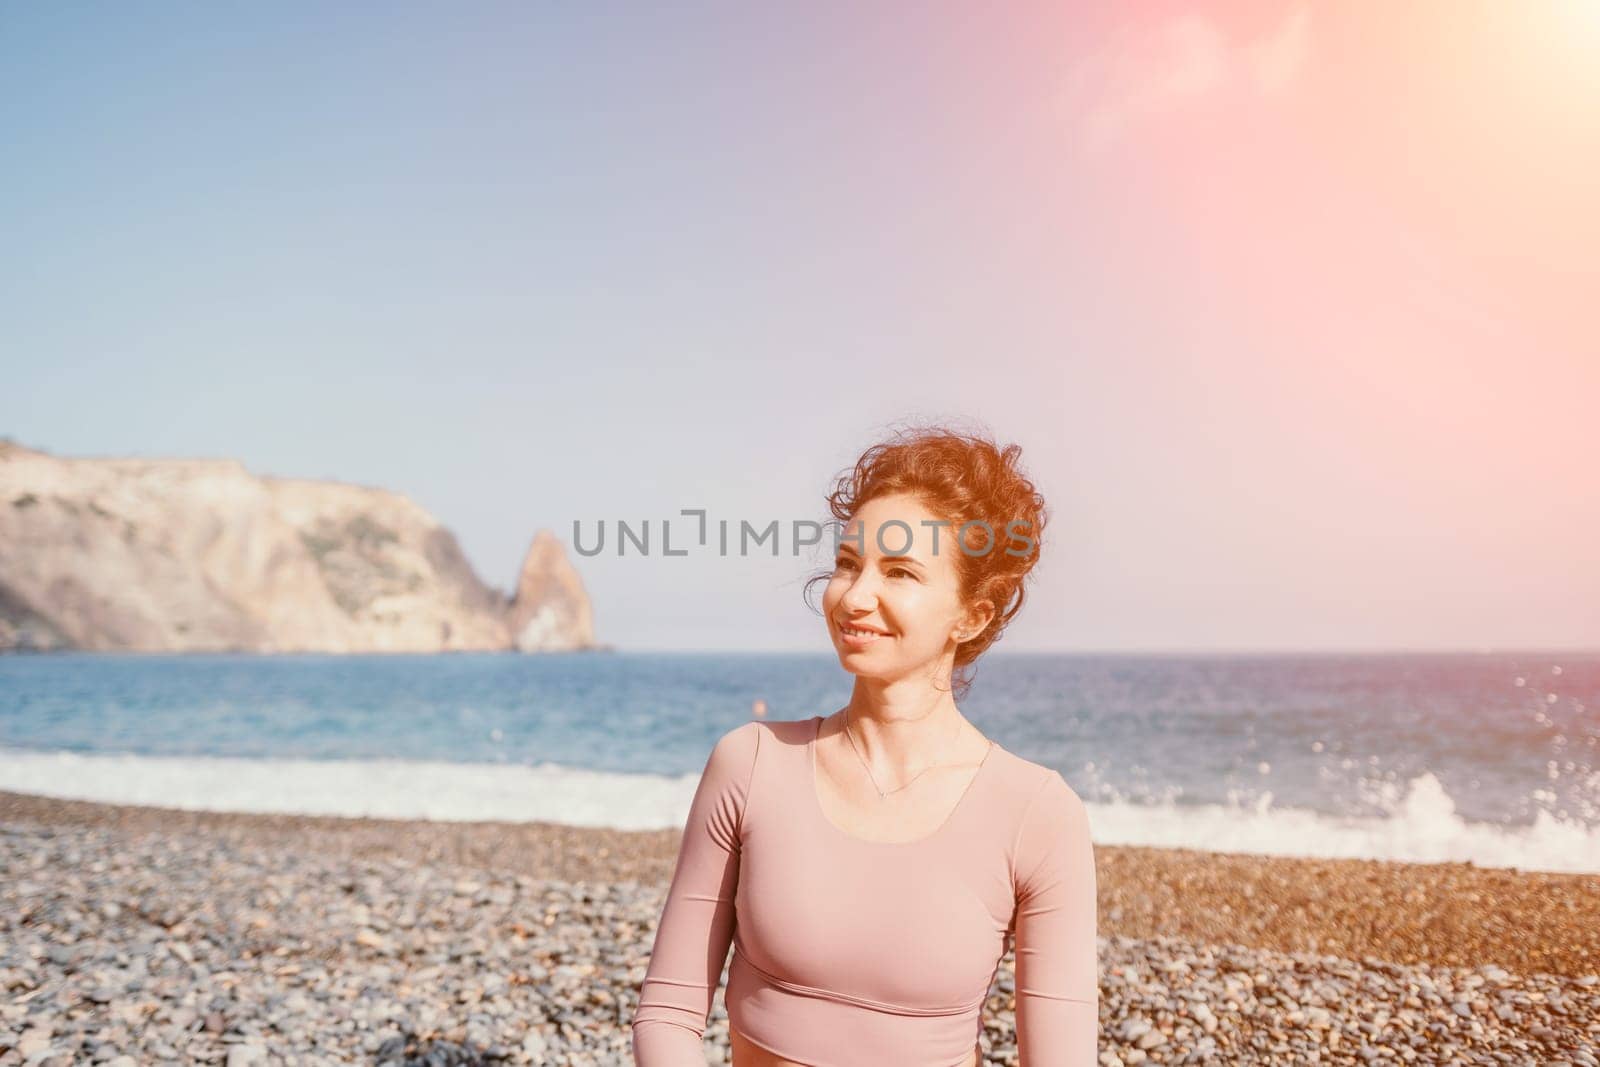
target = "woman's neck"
x: 902, y: 729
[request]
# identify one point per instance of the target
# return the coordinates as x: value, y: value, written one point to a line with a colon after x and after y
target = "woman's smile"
x: 856, y: 637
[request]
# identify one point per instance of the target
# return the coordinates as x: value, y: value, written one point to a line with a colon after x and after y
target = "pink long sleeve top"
x: 849, y: 953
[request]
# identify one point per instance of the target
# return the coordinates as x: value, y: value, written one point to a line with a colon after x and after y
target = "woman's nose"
x: 862, y: 592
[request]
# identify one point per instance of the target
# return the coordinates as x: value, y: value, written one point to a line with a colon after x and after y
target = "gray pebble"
x: 204, y: 948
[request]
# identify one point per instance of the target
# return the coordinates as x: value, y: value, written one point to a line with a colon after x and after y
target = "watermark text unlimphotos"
x: 895, y: 537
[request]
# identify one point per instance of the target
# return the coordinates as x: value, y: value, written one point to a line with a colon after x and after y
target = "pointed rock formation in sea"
x: 550, y: 610
x: 196, y: 555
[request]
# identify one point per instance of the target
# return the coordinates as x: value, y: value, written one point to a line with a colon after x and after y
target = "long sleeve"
x: 1058, y: 987
x: 696, y: 927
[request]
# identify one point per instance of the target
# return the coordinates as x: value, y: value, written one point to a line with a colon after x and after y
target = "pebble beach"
x: 133, y: 936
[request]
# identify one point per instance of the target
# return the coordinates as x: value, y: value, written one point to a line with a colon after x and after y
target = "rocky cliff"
x: 173, y: 555
x: 550, y: 609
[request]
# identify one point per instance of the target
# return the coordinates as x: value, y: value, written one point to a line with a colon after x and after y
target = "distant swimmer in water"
x: 759, y: 708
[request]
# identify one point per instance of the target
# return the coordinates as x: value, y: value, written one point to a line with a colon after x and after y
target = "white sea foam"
x: 1422, y: 826
x: 384, y: 789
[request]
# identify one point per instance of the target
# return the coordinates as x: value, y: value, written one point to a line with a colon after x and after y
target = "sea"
x: 1489, y: 758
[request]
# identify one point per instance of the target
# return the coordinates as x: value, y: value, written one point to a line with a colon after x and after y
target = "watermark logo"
x: 975, y: 537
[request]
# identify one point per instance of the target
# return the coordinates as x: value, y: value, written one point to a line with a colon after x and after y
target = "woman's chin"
x: 862, y: 661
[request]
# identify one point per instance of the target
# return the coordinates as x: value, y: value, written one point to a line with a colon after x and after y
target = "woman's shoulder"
x: 1020, y: 774
x: 786, y: 729
x: 1047, y: 822
x: 747, y: 739
x: 1027, y: 787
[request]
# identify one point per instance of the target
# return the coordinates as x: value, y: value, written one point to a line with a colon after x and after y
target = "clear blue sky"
x: 1246, y: 285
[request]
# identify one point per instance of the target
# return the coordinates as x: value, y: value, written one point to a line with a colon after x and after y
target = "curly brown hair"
x: 968, y: 480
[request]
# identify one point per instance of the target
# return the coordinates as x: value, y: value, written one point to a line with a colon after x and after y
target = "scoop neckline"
x: 935, y: 833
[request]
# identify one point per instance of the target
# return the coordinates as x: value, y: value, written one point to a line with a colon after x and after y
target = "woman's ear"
x: 978, y: 617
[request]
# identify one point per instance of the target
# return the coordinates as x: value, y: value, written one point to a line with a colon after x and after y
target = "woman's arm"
x: 1058, y: 985
x: 691, y: 943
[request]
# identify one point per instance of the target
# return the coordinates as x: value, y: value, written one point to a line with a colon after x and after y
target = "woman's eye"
x: 843, y: 563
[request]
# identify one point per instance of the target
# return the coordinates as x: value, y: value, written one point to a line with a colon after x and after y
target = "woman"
x: 869, y: 865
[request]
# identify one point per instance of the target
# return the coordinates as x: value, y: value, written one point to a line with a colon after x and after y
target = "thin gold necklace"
x: 881, y: 794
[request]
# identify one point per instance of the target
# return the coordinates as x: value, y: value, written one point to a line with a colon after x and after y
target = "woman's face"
x: 896, y: 576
